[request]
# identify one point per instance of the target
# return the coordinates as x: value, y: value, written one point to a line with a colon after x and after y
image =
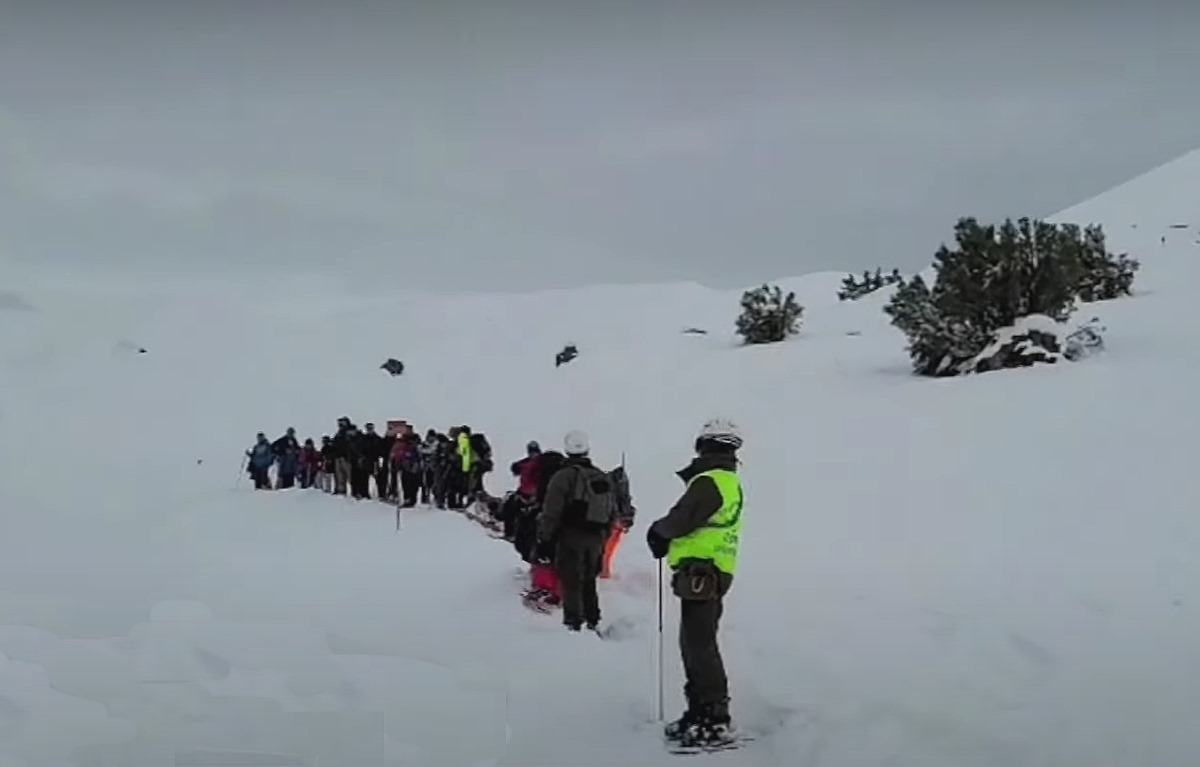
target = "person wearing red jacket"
x: 528, y: 471
x: 310, y: 464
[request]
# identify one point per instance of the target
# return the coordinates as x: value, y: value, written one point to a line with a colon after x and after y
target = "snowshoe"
x: 674, y: 730
x: 705, y: 739
x: 695, y: 733
x: 539, y: 600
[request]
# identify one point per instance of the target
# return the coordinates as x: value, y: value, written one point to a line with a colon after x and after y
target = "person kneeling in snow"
x: 544, y: 592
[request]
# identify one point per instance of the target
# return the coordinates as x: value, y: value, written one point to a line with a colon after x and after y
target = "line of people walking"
x: 565, y: 519
x: 441, y: 469
x: 566, y: 512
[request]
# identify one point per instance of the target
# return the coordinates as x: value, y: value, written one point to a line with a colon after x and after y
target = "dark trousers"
x: 286, y: 479
x: 341, y: 475
x: 427, y: 479
x: 438, y: 483
x: 410, y: 486
x: 577, y: 561
x: 360, y: 479
x: 456, y: 488
x: 384, y: 488
x: 706, y: 688
x: 261, y: 477
x: 514, y: 506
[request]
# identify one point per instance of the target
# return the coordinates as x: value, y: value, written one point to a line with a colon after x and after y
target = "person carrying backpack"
x: 577, y: 517
x: 625, y: 514
x: 481, y: 450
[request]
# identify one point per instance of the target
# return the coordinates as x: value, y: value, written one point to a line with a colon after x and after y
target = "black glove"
x: 658, y: 544
x: 544, y: 553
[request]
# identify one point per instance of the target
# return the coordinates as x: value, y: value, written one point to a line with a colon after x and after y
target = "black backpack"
x: 480, y: 446
x: 624, y: 499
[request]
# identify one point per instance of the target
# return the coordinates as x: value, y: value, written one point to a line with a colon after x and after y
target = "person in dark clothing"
x: 325, y: 476
x: 481, y: 465
x: 577, y: 516
x: 385, y: 482
x: 442, y: 464
x: 259, y: 460
x: 360, y: 464
x: 428, y: 455
x: 339, y: 450
x: 456, y: 478
x: 372, y: 445
x: 700, y: 537
x: 287, y: 455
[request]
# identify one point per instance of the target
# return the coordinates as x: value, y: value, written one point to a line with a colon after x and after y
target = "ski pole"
x: 660, y: 642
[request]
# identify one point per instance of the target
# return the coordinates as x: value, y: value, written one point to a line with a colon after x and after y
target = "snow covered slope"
x: 996, y: 571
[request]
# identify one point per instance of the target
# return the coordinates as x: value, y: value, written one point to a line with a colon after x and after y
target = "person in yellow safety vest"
x: 466, y: 458
x: 699, y: 537
x: 464, y: 449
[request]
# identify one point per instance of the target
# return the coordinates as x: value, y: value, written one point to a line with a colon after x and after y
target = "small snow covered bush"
x: 1001, y: 294
x: 854, y: 289
x: 768, y: 316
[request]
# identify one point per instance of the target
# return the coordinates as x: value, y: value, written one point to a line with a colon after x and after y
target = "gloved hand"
x: 544, y: 553
x: 625, y: 524
x: 658, y: 544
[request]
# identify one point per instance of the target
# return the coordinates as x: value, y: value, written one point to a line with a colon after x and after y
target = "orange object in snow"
x: 610, y: 551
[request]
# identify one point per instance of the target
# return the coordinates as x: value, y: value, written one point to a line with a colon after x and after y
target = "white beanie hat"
x: 576, y: 443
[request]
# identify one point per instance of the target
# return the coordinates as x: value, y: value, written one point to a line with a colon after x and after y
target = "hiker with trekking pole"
x: 699, y: 539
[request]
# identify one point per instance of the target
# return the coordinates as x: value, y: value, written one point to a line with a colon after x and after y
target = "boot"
x: 676, y: 729
x: 709, y: 726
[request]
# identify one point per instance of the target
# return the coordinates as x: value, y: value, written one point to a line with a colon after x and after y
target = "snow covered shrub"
x: 768, y: 316
x: 995, y: 276
x: 852, y: 289
x: 1085, y: 340
x: 1030, y: 340
x: 1104, y: 275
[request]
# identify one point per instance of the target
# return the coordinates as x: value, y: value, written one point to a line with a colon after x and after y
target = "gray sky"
x: 508, y: 143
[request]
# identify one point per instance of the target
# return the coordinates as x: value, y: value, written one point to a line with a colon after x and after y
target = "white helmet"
x: 576, y: 443
x: 721, y: 430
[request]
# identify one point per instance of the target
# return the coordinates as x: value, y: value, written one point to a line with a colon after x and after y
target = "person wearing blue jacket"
x: 260, y: 457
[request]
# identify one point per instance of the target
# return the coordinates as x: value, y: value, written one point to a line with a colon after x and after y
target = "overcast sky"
x: 502, y: 143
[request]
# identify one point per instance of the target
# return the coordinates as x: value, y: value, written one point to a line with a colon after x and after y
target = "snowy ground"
x: 996, y: 571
